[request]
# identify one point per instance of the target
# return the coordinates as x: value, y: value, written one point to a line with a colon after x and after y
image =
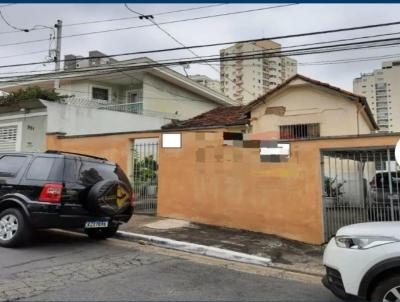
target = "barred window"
x: 299, y: 131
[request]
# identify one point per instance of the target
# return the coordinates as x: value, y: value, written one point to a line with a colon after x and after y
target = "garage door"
x: 10, y: 138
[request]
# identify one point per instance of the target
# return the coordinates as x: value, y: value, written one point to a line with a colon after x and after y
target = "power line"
x: 126, y: 18
x: 246, y: 52
x: 151, y: 19
x: 157, y: 14
x: 126, y: 67
x: 20, y: 29
x: 150, y: 25
x: 254, y: 55
x: 224, y: 43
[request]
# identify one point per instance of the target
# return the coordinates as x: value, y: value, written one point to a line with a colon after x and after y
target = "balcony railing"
x: 127, y: 107
x: 134, y: 108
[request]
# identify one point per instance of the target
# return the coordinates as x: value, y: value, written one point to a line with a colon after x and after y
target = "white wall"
x: 160, y: 95
x: 75, y: 120
x: 32, y: 128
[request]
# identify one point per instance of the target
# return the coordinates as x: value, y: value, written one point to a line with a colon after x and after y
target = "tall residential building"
x: 246, y: 79
x: 206, y: 81
x: 382, y: 90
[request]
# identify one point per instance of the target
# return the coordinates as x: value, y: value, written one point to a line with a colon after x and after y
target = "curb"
x: 196, y: 248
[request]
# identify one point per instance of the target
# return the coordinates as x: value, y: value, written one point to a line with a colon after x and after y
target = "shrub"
x: 30, y: 94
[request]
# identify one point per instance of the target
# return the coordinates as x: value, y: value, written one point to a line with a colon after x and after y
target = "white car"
x: 363, y: 261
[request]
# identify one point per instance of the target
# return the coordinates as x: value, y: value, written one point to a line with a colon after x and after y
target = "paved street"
x: 63, y: 266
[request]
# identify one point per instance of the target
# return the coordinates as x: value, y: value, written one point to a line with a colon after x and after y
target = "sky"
x: 287, y: 20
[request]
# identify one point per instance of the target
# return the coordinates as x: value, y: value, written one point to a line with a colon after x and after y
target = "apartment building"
x: 382, y: 92
x: 245, y: 79
x: 206, y: 81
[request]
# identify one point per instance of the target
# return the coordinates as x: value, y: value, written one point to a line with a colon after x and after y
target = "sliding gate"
x: 359, y: 186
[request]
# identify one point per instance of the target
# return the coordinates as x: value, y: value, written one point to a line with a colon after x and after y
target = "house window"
x: 100, y: 93
x: 299, y: 131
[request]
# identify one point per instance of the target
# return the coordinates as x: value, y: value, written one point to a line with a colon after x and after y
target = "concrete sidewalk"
x: 285, y: 254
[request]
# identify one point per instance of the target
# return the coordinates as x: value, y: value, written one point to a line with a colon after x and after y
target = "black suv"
x: 61, y: 190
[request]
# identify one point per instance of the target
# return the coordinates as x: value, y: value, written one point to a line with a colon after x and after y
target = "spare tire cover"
x: 108, y: 197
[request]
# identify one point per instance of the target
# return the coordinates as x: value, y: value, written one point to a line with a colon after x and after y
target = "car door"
x: 12, y: 168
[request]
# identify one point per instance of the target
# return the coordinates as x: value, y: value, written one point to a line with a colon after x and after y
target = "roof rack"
x: 74, y: 153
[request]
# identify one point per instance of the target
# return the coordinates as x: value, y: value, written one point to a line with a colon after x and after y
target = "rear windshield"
x: 92, y: 172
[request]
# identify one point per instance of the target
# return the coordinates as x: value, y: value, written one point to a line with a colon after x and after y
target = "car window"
x: 10, y: 165
x: 70, y: 169
x: 91, y: 172
x: 41, y: 168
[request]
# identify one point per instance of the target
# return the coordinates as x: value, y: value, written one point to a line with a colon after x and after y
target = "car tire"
x: 14, y: 228
x: 383, y: 288
x: 102, y: 233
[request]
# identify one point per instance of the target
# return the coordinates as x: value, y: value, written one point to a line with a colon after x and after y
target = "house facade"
x: 299, y: 108
x: 262, y: 167
x: 103, y: 102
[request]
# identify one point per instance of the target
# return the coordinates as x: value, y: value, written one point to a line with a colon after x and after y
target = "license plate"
x: 96, y: 224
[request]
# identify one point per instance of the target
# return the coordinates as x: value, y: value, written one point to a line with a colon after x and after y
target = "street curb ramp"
x: 196, y: 248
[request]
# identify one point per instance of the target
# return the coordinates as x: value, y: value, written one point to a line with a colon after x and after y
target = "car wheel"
x: 14, y: 228
x: 387, y: 290
x: 102, y: 233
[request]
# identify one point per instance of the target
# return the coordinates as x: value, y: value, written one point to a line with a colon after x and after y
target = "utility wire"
x: 121, y: 68
x: 285, y: 47
x: 157, y: 14
x: 251, y: 55
x: 21, y: 29
x: 149, y: 25
x: 126, y: 18
x: 210, y: 45
x: 151, y: 19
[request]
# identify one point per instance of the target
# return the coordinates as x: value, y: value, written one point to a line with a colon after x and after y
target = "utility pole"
x: 57, y: 57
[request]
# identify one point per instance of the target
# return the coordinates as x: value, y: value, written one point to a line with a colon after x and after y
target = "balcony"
x: 136, y: 108
x: 133, y: 108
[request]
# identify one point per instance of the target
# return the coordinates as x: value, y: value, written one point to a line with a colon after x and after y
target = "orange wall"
x: 207, y: 182
x: 229, y: 186
x: 113, y: 147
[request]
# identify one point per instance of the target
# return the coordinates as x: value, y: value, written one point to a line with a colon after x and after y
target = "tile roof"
x: 239, y: 115
x: 220, y: 116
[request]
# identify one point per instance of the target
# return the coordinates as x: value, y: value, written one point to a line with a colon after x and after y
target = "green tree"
x: 31, y: 94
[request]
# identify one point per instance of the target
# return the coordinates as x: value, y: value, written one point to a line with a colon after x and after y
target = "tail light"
x: 51, y: 193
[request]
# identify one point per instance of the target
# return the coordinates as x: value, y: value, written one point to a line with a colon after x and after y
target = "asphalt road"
x: 68, y: 267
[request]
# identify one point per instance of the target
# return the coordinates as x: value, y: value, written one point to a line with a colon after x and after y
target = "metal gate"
x: 145, y: 176
x: 359, y: 186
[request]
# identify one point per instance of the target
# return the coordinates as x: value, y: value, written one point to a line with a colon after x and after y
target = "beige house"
x: 298, y: 108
